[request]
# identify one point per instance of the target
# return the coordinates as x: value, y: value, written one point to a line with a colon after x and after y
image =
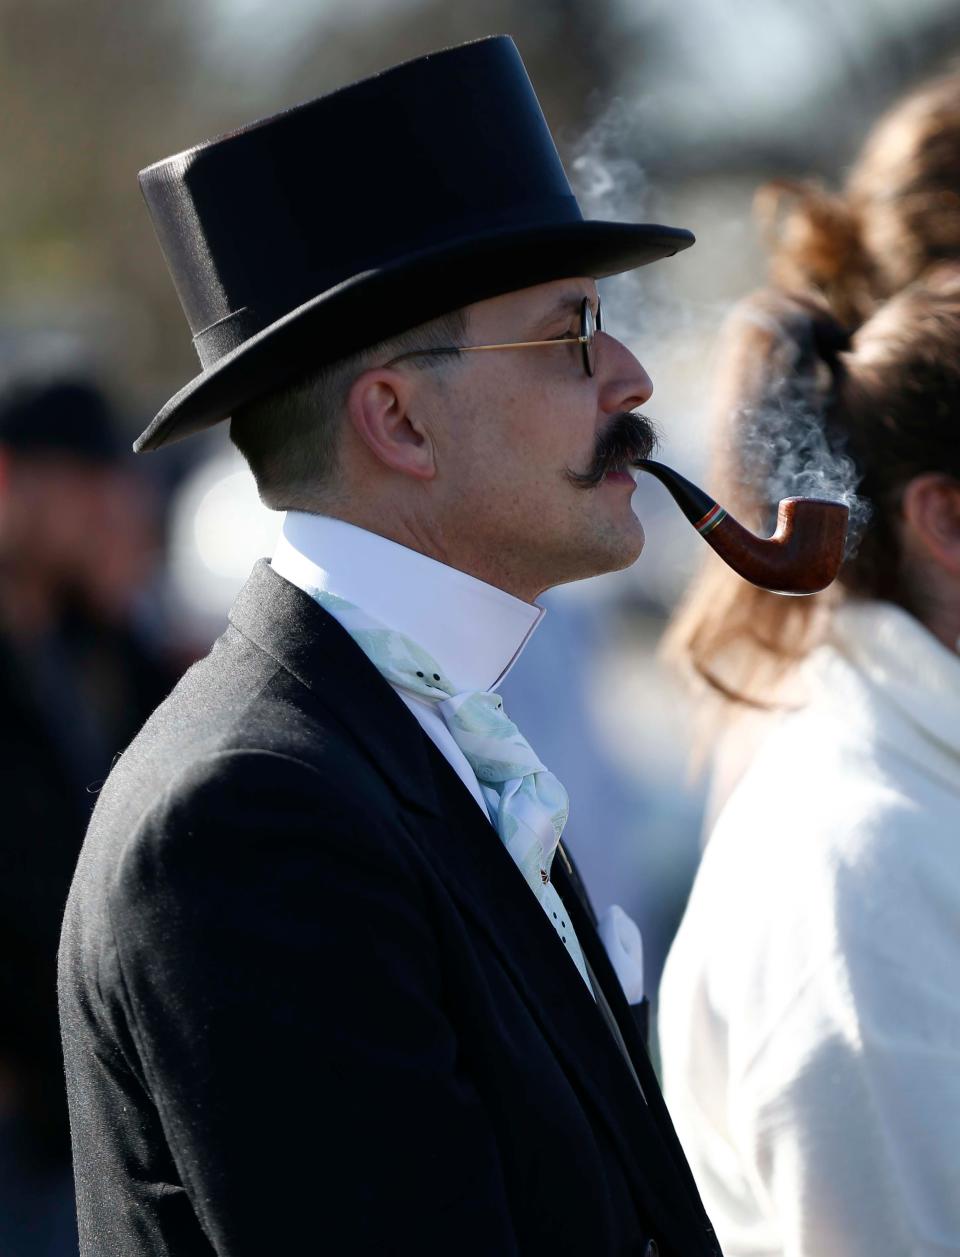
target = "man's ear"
x: 931, y: 509
x: 381, y: 407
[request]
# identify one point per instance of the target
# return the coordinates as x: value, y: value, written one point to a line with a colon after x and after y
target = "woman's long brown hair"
x: 889, y: 402
x: 880, y: 372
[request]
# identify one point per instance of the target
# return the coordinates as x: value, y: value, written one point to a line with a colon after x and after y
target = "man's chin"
x: 622, y: 552
x: 634, y: 548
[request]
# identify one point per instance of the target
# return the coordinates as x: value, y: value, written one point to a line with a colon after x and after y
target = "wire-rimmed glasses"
x: 590, y: 324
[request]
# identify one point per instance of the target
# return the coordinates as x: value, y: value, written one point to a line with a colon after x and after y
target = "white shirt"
x: 474, y: 630
x: 810, y: 1006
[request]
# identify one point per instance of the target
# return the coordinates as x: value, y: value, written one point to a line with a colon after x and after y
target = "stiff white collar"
x: 474, y: 630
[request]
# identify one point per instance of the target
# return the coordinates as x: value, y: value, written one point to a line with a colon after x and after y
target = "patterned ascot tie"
x: 526, y: 802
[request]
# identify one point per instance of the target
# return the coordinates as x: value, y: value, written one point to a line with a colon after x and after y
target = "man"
x: 324, y: 986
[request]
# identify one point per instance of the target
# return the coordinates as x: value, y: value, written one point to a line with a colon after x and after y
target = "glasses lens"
x: 588, y: 330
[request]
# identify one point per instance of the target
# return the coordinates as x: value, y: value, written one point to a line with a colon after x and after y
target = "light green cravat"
x: 526, y: 802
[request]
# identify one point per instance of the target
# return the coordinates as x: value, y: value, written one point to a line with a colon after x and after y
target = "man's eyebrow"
x: 568, y: 304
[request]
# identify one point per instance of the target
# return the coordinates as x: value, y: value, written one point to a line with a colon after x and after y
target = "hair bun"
x: 815, y: 244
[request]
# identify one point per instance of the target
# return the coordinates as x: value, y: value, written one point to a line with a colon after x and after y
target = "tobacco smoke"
x: 612, y: 186
x: 781, y: 445
x: 785, y: 446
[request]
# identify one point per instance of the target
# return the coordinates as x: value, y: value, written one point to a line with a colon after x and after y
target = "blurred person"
x: 809, y: 1014
x: 327, y: 976
x: 73, y: 689
x: 896, y: 218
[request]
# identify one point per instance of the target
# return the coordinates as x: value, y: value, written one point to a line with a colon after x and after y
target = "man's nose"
x: 626, y: 384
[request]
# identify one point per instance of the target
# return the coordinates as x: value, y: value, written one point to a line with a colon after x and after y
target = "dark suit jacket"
x: 309, y: 1005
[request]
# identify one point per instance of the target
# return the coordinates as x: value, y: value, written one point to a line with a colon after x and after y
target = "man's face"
x: 512, y: 425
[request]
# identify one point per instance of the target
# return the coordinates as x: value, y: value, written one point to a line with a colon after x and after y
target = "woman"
x: 810, y: 1008
x: 897, y: 219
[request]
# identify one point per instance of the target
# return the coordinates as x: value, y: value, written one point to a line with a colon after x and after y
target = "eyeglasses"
x: 590, y: 324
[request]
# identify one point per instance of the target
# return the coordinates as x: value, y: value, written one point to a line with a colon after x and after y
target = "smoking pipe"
x: 803, y: 555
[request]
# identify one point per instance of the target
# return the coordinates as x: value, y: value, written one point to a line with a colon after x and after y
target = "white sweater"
x: 810, y: 1006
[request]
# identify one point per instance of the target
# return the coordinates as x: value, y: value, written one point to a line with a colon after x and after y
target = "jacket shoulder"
x: 241, y: 765
x: 236, y: 719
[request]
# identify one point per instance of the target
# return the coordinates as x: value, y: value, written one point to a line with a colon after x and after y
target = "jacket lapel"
x: 289, y: 626
x: 479, y: 871
x: 477, y: 868
x: 600, y: 963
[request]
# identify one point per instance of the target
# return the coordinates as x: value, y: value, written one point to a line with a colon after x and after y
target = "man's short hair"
x: 291, y: 438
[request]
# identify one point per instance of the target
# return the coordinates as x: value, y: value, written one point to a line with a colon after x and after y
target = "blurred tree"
x: 91, y: 93
x: 94, y: 91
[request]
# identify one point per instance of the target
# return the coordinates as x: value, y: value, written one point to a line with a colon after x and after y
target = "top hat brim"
x: 386, y: 300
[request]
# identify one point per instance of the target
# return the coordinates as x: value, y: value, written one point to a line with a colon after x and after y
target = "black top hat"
x: 312, y: 234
